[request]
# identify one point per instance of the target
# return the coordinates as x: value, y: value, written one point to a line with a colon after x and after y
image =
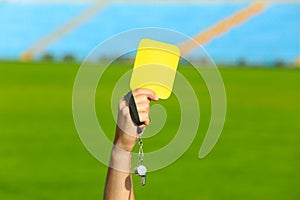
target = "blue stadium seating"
x: 186, y: 18
x: 22, y: 24
x: 271, y: 36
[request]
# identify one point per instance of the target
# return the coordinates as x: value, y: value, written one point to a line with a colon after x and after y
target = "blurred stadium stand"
x: 23, y: 24
x: 269, y: 37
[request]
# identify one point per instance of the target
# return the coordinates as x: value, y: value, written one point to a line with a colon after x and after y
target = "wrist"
x: 120, y: 159
x: 124, y: 141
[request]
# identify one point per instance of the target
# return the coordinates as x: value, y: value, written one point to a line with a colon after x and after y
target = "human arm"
x: 119, y: 178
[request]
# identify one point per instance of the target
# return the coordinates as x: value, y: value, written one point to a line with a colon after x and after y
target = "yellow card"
x: 155, y: 67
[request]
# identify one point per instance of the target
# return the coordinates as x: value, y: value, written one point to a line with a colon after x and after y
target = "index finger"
x: 147, y: 92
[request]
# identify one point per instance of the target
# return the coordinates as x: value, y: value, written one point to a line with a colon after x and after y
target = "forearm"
x: 118, y: 186
x: 119, y: 179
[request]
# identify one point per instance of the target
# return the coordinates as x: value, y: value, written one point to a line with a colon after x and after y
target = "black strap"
x: 133, y: 112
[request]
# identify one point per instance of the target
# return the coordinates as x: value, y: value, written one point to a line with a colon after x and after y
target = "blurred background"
x: 264, y: 32
x: 256, y: 45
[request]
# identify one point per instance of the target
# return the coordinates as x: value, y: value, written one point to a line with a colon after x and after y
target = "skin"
x: 119, y: 182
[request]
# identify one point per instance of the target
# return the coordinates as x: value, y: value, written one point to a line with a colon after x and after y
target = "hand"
x: 126, y: 133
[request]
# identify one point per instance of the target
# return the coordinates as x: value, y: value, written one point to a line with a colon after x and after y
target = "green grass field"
x: 257, y: 156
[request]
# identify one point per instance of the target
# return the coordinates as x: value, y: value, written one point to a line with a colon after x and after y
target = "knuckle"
x: 120, y: 102
x: 123, y: 111
x: 144, y: 107
x: 143, y: 116
x: 136, y: 91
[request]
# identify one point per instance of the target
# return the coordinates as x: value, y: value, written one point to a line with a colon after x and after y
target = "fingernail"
x: 156, y: 98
